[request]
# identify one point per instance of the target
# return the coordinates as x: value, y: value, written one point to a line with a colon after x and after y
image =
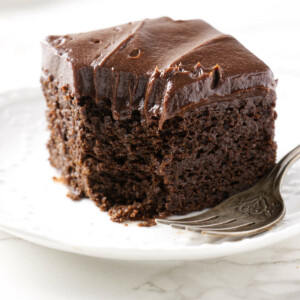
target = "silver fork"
x: 250, y: 212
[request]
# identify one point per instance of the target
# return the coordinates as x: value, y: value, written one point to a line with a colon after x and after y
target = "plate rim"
x: 182, y: 253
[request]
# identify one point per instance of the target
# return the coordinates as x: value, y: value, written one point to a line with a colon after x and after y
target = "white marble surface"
x: 32, y: 272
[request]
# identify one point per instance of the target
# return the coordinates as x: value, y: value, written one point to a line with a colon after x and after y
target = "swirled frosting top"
x: 157, y: 66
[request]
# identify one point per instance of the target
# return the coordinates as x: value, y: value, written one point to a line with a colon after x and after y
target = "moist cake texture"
x: 157, y: 117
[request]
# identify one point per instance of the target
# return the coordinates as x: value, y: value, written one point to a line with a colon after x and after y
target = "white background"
x: 270, y: 29
x: 267, y: 28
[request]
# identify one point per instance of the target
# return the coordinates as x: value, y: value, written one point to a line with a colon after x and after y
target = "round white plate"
x: 34, y: 207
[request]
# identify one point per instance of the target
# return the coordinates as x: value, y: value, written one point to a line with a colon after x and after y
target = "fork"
x: 247, y: 213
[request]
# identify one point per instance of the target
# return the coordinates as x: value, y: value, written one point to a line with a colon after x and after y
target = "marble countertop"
x: 28, y: 271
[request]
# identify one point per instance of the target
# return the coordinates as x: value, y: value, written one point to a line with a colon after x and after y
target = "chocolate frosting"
x: 160, y: 67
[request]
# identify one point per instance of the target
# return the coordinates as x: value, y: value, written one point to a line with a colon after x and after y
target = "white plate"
x: 34, y: 207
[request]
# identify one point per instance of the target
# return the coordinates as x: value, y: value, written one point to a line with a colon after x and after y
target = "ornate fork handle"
x: 284, y: 164
x: 278, y: 172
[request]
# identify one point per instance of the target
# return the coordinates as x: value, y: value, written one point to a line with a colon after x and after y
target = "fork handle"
x: 283, y: 165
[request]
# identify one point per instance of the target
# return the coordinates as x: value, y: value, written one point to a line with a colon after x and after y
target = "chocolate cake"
x: 157, y: 117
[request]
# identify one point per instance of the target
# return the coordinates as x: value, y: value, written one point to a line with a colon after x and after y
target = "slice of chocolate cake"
x: 157, y: 117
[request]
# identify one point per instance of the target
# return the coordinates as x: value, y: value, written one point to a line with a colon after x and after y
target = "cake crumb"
x: 74, y: 196
x: 148, y: 223
x: 57, y: 179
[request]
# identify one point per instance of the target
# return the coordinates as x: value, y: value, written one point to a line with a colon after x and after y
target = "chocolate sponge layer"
x: 138, y: 171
